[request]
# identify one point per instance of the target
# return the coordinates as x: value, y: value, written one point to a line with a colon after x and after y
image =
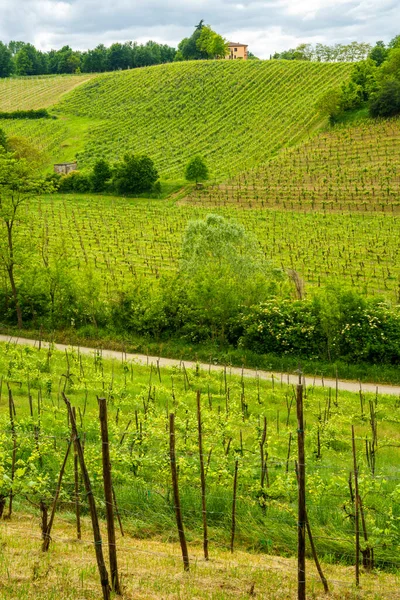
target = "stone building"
x: 65, y: 168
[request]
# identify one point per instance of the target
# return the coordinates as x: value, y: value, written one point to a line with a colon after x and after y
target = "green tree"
x: 329, y: 105
x: 378, y: 53
x: 100, y: 175
x: 6, y: 64
x: 196, y: 170
x: 27, y: 61
x: 134, y: 175
x: 18, y: 183
x: 223, y: 269
x: 386, y: 102
x: 211, y: 43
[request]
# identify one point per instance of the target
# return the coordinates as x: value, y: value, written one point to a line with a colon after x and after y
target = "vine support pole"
x: 177, y: 503
x: 302, y: 515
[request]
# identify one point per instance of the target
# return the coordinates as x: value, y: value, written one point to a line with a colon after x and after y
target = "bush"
x: 134, y: 175
x: 100, y: 175
x: 40, y: 113
x: 386, y: 102
x: 74, y: 182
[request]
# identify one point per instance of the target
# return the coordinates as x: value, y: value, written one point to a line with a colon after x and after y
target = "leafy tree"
x: 100, y: 175
x: 196, y: 170
x: 134, y: 175
x: 386, y: 102
x: 22, y: 148
x: 188, y: 48
x: 378, y: 53
x: 395, y: 42
x: 211, y: 43
x: 6, y: 64
x: 18, y: 183
x: 95, y: 61
x: 222, y: 269
x: 329, y: 105
x: 27, y: 61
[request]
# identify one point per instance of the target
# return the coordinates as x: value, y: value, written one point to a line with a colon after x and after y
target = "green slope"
x: 236, y: 114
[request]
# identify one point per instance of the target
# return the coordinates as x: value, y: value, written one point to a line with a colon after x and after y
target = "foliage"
x: 196, y: 170
x: 74, y: 182
x: 135, y: 174
x: 353, y: 52
x: 3, y: 140
x: 40, y: 113
x: 211, y: 43
x: 100, y: 175
x: 6, y: 65
x: 386, y: 102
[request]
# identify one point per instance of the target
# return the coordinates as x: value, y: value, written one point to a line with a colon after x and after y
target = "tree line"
x: 21, y: 58
x: 374, y: 84
x: 353, y: 52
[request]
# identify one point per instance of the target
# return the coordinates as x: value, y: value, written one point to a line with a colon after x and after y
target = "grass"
x: 69, y: 572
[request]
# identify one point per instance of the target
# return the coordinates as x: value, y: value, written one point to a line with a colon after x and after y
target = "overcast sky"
x: 266, y: 25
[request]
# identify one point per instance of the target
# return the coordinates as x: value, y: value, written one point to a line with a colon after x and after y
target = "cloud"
x: 266, y: 25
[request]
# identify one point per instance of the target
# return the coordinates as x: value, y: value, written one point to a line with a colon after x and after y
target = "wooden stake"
x: 202, y: 479
x: 108, y: 495
x: 47, y: 538
x: 92, y: 506
x: 178, y: 512
x: 357, y: 513
x: 235, y: 478
x: 76, y: 486
x: 302, y: 517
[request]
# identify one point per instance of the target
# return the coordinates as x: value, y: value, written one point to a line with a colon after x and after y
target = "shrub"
x: 74, y: 182
x: 386, y: 102
x: 134, y: 175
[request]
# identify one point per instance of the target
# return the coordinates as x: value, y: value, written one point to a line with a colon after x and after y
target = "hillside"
x: 234, y: 114
x: 24, y: 93
x: 353, y: 168
x: 237, y: 115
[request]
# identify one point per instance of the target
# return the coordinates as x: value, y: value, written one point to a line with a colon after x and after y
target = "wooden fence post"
x: 14, y: 452
x: 92, y: 506
x: 202, y: 478
x: 108, y: 495
x: 177, y: 504
x: 302, y: 517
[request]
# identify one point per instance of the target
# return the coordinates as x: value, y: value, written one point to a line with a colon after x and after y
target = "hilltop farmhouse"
x: 237, y: 51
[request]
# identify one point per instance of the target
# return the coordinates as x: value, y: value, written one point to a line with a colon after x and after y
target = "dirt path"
x: 349, y: 386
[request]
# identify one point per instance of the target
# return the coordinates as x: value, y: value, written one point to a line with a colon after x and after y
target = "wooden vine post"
x: 108, y: 495
x: 357, y: 510
x: 233, y: 527
x: 92, y: 505
x: 47, y: 533
x: 11, y: 407
x: 302, y: 516
x: 177, y: 503
x: 202, y: 478
x: 76, y: 488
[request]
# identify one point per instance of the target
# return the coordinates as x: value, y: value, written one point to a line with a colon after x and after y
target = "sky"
x: 267, y: 26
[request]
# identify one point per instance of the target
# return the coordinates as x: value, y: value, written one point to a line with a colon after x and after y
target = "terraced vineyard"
x: 236, y: 114
x: 355, y: 168
x: 118, y: 240
x: 25, y: 93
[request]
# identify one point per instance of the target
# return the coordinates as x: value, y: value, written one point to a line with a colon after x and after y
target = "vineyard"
x: 115, y: 241
x: 353, y: 168
x: 236, y: 115
x: 249, y: 428
x: 25, y: 93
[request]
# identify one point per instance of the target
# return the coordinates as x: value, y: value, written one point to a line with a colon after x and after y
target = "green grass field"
x: 140, y: 399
